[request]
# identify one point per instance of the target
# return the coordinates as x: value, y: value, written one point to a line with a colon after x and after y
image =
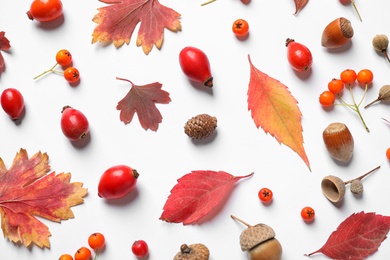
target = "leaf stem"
x: 49, y: 70
x: 125, y: 80
x: 362, y: 176
x: 240, y: 220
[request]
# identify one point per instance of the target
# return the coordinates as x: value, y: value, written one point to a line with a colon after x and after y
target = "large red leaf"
x: 26, y: 191
x: 4, y: 46
x: 142, y: 99
x: 196, y: 194
x: 275, y: 110
x: 357, y: 237
x: 116, y: 22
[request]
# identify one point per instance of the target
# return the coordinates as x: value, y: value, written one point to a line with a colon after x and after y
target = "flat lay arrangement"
x: 240, y: 129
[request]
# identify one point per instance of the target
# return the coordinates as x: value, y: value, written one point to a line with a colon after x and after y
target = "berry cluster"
x: 347, y: 80
x: 96, y: 241
x: 64, y: 59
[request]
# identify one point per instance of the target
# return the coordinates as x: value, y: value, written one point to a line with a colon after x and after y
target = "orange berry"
x: 327, y: 98
x: 96, y: 241
x: 348, y: 76
x: 63, y: 57
x: 388, y: 153
x: 65, y: 257
x: 72, y: 75
x: 83, y: 254
x: 365, y: 76
x: 336, y: 86
x: 308, y: 214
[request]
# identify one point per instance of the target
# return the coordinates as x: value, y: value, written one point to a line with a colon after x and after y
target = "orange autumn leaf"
x: 275, y: 110
x: 117, y: 21
x: 27, y: 191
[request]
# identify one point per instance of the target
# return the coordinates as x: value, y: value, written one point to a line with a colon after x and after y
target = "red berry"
x: 74, y: 124
x: 45, y: 10
x: 240, y: 27
x: 265, y: 195
x: 196, y: 66
x: 12, y: 103
x: 117, y: 181
x: 308, y: 214
x: 140, y: 248
x: 298, y: 55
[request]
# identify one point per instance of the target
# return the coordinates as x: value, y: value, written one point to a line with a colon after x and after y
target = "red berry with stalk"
x: 45, y: 10
x: 196, y: 66
x: 12, y: 103
x: 298, y: 55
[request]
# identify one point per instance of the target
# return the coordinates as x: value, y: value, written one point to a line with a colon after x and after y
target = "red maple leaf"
x: 142, y: 99
x: 196, y: 194
x: 26, y: 191
x: 356, y: 237
x: 275, y: 110
x: 4, y: 46
x: 116, y: 22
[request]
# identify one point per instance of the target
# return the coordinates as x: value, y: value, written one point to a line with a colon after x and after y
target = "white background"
x: 164, y: 156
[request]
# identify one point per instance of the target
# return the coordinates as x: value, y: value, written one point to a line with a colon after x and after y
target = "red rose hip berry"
x: 196, y: 66
x: 74, y: 124
x: 140, y: 248
x: 12, y: 103
x: 298, y: 55
x: 45, y: 10
x: 117, y: 181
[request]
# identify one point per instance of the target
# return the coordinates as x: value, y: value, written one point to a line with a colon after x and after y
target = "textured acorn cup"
x: 338, y: 141
x: 337, y: 33
x: 260, y: 242
x: 193, y: 252
x: 333, y: 188
x: 200, y: 126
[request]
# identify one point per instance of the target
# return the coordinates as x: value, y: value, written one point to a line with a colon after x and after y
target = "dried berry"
x: 380, y: 43
x: 356, y: 187
x: 200, y: 126
x: 384, y: 95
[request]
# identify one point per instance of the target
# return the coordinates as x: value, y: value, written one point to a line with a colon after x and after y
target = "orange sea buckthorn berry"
x: 64, y: 57
x: 348, y: 76
x: 65, y: 257
x: 365, y: 77
x: 83, y: 254
x: 327, y: 98
x: 336, y: 86
x: 96, y: 241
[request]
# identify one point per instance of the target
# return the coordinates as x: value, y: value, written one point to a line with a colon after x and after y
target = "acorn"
x: 338, y: 141
x: 200, y: 126
x: 260, y: 242
x: 337, y: 33
x: 193, y: 252
x: 333, y: 187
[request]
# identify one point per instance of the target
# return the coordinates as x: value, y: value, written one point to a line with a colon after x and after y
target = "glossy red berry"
x: 140, y: 248
x: 74, y: 124
x: 45, y: 10
x: 117, y: 181
x: 308, y: 214
x: 12, y: 103
x: 196, y: 66
x: 298, y: 55
x: 265, y: 195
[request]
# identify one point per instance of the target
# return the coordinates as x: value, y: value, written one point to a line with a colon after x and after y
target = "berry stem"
x: 49, y: 70
x: 240, y: 220
x: 96, y: 254
x: 355, y: 106
x: 362, y: 176
x: 357, y: 11
x: 386, y: 55
x: 208, y: 2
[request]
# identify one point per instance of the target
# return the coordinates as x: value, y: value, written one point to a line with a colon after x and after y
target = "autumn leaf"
x: 142, y: 99
x: 196, y: 194
x: 275, y: 110
x: 299, y: 5
x: 27, y: 191
x: 4, y: 46
x: 357, y: 237
x: 117, y: 21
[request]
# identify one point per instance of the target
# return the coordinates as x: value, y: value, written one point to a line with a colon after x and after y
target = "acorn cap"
x: 333, y: 188
x: 193, y: 252
x: 254, y: 235
x: 200, y: 126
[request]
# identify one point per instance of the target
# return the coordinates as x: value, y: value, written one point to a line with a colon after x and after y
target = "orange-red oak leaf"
x: 196, y: 194
x: 357, y: 237
x: 275, y: 110
x: 4, y: 46
x: 117, y: 21
x: 142, y: 99
x: 27, y: 191
x: 299, y: 5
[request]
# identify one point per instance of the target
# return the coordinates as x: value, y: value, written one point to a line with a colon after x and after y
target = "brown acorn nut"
x: 337, y: 33
x: 193, y: 252
x: 200, y: 126
x: 338, y: 141
x: 260, y: 242
x: 333, y: 187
